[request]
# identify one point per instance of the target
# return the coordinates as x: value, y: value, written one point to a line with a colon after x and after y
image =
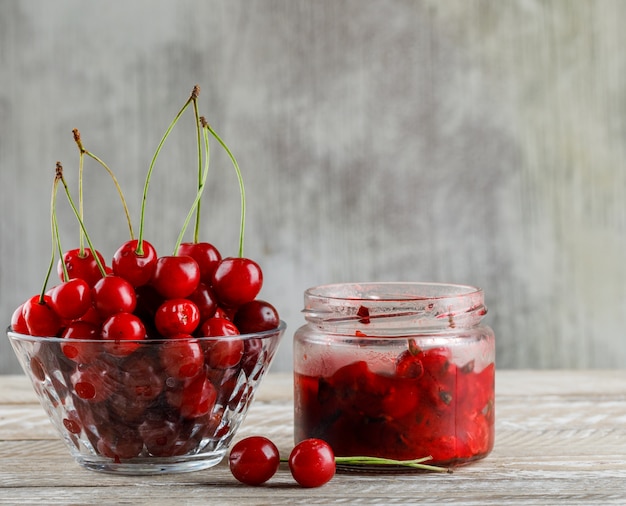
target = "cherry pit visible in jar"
x: 396, y: 370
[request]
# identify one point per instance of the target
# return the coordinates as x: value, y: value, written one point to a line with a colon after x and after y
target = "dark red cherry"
x: 256, y: 316
x: 237, y: 281
x: 205, y: 300
x: 195, y: 398
x: 176, y: 277
x: 113, y: 294
x: 177, y: 316
x: 136, y: 268
x: 254, y: 460
x: 39, y: 317
x: 207, y: 256
x: 71, y: 299
x: 95, y: 382
x: 81, y: 266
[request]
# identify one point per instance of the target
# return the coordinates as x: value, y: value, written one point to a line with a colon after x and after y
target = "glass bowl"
x: 154, y: 410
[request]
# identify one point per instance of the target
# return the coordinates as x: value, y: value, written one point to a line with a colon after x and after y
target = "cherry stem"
x: 194, y: 96
x: 84, y: 151
x: 81, y: 161
x: 241, y: 188
x: 54, y: 232
x: 380, y: 461
x: 199, y: 128
x: 59, y: 172
x: 414, y: 463
x: 201, y: 184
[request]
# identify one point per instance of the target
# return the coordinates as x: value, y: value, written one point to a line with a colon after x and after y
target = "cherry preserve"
x: 396, y: 370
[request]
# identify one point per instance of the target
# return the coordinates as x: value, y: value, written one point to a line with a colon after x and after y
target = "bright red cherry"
x: 136, y: 268
x: 113, y: 294
x: 256, y: 316
x: 312, y: 463
x: 81, y: 266
x: 254, y: 460
x: 71, y: 299
x: 237, y: 281
x: 18, y: 323
x: 177, y: 316
x: 176, y: 276
x: 39, y: 317
x: 207, y: 256
x: 123, y: 333
x: 217, y: 327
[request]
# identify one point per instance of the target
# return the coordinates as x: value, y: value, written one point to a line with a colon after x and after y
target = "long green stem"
x: 241, y: 189
x: 199, y: 127
x: 84, y: 151
x: 81, y: 161
x: 54, y: 232
x: 192, y: 98
x: 379, y: 461
x: 200, y: 187
x: 59, y: 172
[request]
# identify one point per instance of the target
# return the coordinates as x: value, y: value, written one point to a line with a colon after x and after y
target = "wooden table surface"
x: 560, y: 438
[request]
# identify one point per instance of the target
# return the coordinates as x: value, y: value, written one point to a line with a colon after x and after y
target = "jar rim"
x: 398, y: 305
x: 394, y: 291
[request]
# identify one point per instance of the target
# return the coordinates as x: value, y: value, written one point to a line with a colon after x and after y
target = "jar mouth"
x: 391, y: 291
x: 394, y: 305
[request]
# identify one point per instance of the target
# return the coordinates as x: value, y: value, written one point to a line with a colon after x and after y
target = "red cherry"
x: 40, y: 319
x: 95, y: 382
x: 237, y: 281
x: 206, y: 301
x: 119, y: 442
x: 74, y: 347
x: 176, y: 276
x: 123, y: 331
x: 222, y: 353
x: 254, y: 460
x: 312, y: 463
x: 194, y: 399
x: 18, y: 323
x: 177, y: 316
x: 81, y: 266
x: 207, y: 256
x: 148, y: 301
x: 91, y: 316
x: 135, y: 268
x: 217, y: 327
x: 71, y: 299
x: 113, y: 294
x: 256, y: 316
x: 181, y: 356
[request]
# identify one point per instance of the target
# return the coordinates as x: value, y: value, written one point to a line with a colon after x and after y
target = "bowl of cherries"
x: 147, y: 363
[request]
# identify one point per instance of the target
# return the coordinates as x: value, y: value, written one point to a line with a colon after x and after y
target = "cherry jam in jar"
x: 396, y: 370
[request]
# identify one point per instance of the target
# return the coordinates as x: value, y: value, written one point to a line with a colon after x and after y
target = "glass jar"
x: 396, y: 370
